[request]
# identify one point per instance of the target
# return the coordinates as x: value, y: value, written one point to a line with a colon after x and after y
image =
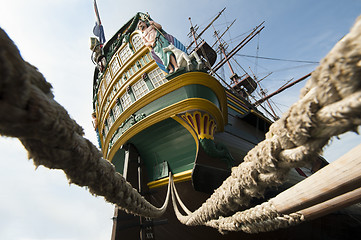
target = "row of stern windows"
x: 118, y: 60
x: 146, y: 83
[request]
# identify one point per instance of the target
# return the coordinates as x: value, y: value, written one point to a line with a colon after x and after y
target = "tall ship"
x: 159, y: 108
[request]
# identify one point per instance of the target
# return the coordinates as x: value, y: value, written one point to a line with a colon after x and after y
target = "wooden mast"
x: 281, y: 90
x: 238, y: 47
x: 214, y: 19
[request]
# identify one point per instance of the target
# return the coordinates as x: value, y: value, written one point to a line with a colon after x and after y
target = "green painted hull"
x: 166, y: 141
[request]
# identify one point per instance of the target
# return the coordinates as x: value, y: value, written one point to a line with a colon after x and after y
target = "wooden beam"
x: 331, y: 182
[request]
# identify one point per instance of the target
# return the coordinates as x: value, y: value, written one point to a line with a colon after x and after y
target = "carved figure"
x: 154, y: 39
x: 182, y: 58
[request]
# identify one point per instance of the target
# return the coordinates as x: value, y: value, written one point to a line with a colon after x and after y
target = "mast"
x: 281, y: 90
x: 238, y: 47
x: 221, y: 47
x: 193, y: 33
x: 196, y: 38
x: 225, y: 31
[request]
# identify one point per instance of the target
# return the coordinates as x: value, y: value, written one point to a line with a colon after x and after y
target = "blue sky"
x: 54, y: 36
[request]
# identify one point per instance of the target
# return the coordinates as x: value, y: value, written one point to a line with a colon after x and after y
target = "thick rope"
x: 53, y: 139
x: 330, y: 104
x: 176, y: 198
x: 262, y: 218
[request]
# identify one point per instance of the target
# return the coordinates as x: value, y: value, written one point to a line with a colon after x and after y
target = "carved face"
x: 142, y: 26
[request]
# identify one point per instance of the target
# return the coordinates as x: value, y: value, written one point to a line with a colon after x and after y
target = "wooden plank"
x: 332, y: 205
x: 337, y: 178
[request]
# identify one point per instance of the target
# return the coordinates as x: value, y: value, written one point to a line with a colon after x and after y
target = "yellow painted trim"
x: 201, y: 130
x: 174, y: 84
x: 179, y: 177
x: 233, y: 95
x: 231, y: 100
x: 236, y: 109
x: 179, y: 107
x: 206, y: 80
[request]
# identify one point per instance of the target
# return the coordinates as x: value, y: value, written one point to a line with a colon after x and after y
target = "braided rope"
x: 53, y: 139
x: 262, y: 218
x: 330, y: 104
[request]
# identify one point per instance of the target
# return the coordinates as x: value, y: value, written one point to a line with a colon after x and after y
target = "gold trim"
x: 234, y: 96
x: 185, y: 105
x: 237, y: 104
x: 174, y: 84
x: 205, y: 127
x: 179, y: 177
x: 236, y: 109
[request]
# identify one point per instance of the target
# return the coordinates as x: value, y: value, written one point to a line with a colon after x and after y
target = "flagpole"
x: 98, y: 29
x: 97, y: 12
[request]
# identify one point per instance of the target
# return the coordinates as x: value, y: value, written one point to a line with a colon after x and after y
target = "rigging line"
x: 229, y: 86
x: 264, y: 108
x: 229, y: 33
x: 287, y: 83
x: 300, y: 66
x: 276, y: 106
x: 277, y: 59
x: 222, y: 24
x: 207, y: 21
x: 281, y: 104
x: 222, y: 73
x: 281, y: 89
x: 239, y: 46
x: 224, y: 32
x: 257, y: 51
x: 241, y: 35
x: 265, y: 77
x: 199, y: 35
x: 236, y: 39
x: 234, y: 60
x: 260, y: 66
x: 263, y: 93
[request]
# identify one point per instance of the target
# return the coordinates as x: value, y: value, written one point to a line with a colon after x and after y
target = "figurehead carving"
x: 167, y: 51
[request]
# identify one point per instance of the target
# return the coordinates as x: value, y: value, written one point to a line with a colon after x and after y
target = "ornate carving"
x: 203, y: 124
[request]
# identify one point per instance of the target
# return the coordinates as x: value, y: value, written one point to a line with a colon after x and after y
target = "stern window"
x: 157, y: 77
x: 125, y: 53
x: 140, y: 89
x: 137, y: 42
